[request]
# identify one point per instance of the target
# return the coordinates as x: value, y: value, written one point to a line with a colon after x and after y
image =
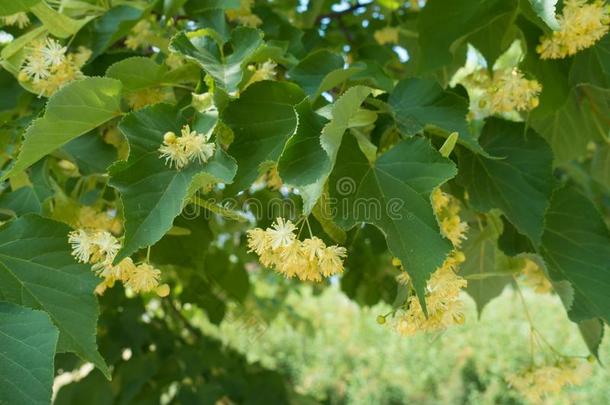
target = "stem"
x: 533, y: 331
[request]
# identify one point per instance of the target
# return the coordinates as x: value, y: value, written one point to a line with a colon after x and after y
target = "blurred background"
x: 333, y: 351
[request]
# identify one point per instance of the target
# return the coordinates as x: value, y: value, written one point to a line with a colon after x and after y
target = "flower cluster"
x: 243, y: 15
x: 581, y: 25
x: 386, y: 35
x: 442, y: 300
x: 272, y: 178
x: 99, y: 248
x: 48, y: 66
x: 21, y: 20
x: 447, y: 210
x: 537, y: 384
x: 149, y: 96
x: 178, y: 151
x: 265, y: 71
x: 309, y: 259
x: 534, y: 276
x: 505, y: 91
x: 141, y: 35
x: 90, y: 218
x: 443, y: 289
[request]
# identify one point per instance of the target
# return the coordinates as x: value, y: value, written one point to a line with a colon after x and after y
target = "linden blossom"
x: 190, y: 146
x: 536, y: 384
x: 99, y: 248
x: 443, y: 302
x: 581, y: 24
x: 309, y: 259
x: 48, y: 68
x: 21, y: 20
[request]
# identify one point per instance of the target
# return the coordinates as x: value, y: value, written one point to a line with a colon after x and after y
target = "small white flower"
x: 36, y: 68
x: 53, y: 53
x: 281, y: 234
x: 82, y: 245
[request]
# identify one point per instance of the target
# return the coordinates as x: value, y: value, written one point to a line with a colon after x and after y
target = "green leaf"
x: 394, y: 195
x: 59, y: 25
x: 110, y: 27
x: 482, y: 258
x: 28, y: 340
x: 303, y: 160
x: 90, y: 153
x: 74, y: 110
x: 592, y: 332
x: 600, y: 165
x: 579, y: 121
x: 519, y: 182
x: 369, y: 276
x: 323, y: 149
x: 38, y: 271
x: 419, y: 103
x: 204, y: 5
x: 576, y: 248
x: 592, y: 65
x: 320, y: 71
x: 16, y: 6
x: 21, y: 201
x: 262, y: 119
x: 153, y: 194
x: 137, y: 73
x: 545, y: 9
x: 442, y: 28
x: 227, y: 71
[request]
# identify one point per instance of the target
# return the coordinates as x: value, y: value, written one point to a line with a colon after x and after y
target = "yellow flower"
x: 387, y: 35
x: 89, y: 218
x: 251, y: 20
x: 140, y: 36
x: 82, y: 245
x: 258, y: 241
x: 581, y: 25
x: 190, y: 146
x: 281, y: 233
x: 106, y: 246
x: 537, y: 384
x: 510, y: 91
x: 447, y: 211
x: 442, y: 301
x: 196, y: 145
x: 142, y: 98
x: 331, y: 260
x: 442, y: 294
x: 21, y: 20
x: 291, y: 260
x: 266, y: 71
x: 309, y: 260
x: 534, y: 277
x: 49, y: 68
x: 144, y: 278
x: 274, y: 181
x: 243, y: 15
x: 313, y: 248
